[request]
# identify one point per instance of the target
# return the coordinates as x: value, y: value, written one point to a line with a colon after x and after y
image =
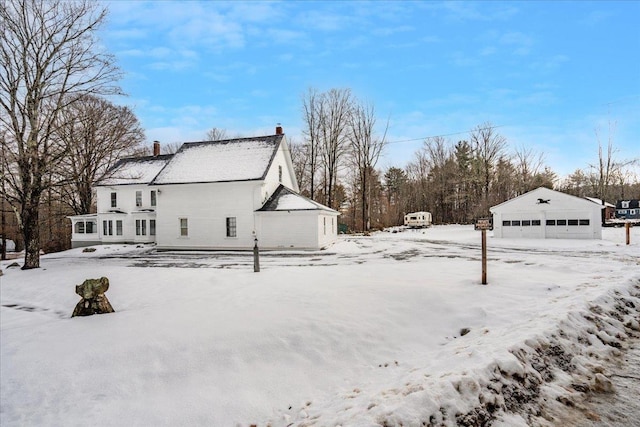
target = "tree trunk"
x: 30, y: 231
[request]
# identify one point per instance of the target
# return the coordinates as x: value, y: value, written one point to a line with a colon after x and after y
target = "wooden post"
x: 256, y: 257
x: 484, y: 256
x: 627, y: 228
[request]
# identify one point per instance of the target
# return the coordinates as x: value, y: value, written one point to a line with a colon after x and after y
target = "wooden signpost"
x: 484, y: 224
x: 627, y: 228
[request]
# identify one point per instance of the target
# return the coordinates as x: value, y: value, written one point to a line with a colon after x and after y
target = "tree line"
x: 457, y: 181
x: 59, y: 134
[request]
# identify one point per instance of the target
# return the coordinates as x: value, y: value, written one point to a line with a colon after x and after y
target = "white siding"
x: 206, y: 207
x: 560, y: 207
x: 271, y: 179
x: 297, y: 229
x: 126, y: 203
x: 288, y: 229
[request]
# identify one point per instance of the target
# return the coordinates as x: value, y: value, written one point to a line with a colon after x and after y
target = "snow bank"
x: 392, y: 329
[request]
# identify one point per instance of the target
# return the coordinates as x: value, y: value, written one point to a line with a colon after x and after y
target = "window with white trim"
x: 153, y: 198
x: 152, y: 227
x: 107, y: 228
x: 118, y: 227
x: 184, y: 227
x: 138, y: 198
x: 141, y: 227
x: 114, y: 200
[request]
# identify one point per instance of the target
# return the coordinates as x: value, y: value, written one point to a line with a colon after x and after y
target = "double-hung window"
x: 138, y: 198
x: 153, y: 198
x: 184, y: 227
x: 114, y: 200
x: 107, y: 228
x: 141, y: 227
x: 231, y: 226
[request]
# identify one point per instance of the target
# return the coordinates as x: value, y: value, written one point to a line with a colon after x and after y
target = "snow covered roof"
x: 135, y: 170
x: 242, y: 159
x: 542, y: 193
x: 285, y: 199
x: 599, y: 202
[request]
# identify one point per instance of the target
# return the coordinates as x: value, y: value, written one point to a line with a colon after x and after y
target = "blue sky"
x: 548, y: 73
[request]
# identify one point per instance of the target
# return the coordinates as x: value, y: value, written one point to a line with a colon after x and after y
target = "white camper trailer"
x: 417, y: 219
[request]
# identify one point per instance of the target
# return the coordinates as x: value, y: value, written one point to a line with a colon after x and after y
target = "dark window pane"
x: 535, y: 222
x: 584, y: 222
x: 551, y: 222
x: 515, y: 223
x: 561, y: 222
x: 506, y: 223
x: 573, y: 222
x: 526, y: 223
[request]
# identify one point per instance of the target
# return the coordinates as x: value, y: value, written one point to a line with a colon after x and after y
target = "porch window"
x: 114, y: 200
x: 561, y: 222
x: 551, y: 222
x: 153, y: 197
x: 184, y: 227
x: 231, y: 226
x: 526, y: 223
x: 584, y: 222
x: 152, y: 227
x: 80, y: 227
x: 573, y: 222
x: 515, y: 223
x: 118, y: 227
x: 107, y: 228
x: 506, y: 223
x: 141, y: 227
x: 535, y: 222
x: 138, y: 198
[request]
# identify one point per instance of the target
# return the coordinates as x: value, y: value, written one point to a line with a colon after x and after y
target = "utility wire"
x: 443, y: 135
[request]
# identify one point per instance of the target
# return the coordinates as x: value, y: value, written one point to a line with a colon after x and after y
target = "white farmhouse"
x: 547, y: 214
x: 208, y: 195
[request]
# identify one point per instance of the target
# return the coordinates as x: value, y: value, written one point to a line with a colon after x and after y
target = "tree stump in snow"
x: 93, y: 299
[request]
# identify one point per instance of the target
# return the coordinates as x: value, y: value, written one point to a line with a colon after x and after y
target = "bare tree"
x: 365, y: 149
x: 488, y: 147
x: 528, y: 165
x: 312, y: 113
x: 300, y: 158
x: 49, y: 54
x: 216, y: 134
x: 608, y: 169
x: 334, y: 119
x: 95, y: 134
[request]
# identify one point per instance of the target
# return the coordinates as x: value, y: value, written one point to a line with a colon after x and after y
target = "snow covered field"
x: 391, y: 329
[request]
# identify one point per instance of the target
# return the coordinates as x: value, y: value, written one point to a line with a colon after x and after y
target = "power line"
x: 443, y: 135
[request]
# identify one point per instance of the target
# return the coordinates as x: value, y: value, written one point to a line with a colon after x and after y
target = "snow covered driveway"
x: 388, y: 329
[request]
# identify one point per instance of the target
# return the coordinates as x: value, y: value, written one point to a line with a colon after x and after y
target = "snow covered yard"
x: 391, y: 329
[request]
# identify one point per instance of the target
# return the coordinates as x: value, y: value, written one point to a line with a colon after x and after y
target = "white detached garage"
x: 547, y: 214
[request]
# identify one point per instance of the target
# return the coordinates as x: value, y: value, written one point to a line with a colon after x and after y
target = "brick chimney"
x: 279, y: 129
x: 156, y: 148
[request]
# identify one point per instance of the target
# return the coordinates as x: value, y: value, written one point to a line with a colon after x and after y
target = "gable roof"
x: 134, y: 170
x: 547, y: 193
x: 285, y: 199
x: 242, y: 159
